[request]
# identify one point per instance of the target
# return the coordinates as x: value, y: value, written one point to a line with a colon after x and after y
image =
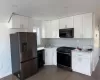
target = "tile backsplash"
x: 71, y: 42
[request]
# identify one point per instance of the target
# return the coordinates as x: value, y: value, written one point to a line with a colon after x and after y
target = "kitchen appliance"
x: 41, y: 60
x: 24, y: 54
x: 64, y: 57
x: 66, y: 33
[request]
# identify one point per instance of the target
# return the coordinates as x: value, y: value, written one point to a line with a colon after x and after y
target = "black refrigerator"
x: 24, y: 54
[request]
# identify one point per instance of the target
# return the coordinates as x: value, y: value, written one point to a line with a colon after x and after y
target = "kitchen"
x: 69, y: 44
x: 62, y: 44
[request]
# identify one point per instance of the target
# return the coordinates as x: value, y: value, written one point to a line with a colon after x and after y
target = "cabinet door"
x: 81, y: 64
x: 63, y: 23
x: 87, y: 25
x: 78, y: 26
x: 43, y: 30
x: 48, y: 56
x: 55, y: 28
x: 54, y: 51
x: 16, y: 21
x: 48, y: 29
x: 69, y: 21
x: 24, y: 22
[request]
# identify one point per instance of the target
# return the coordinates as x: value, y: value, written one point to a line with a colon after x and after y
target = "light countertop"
x: 40, y: 48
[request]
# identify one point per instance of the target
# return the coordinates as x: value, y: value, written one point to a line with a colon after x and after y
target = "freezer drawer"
x: 28, y: 68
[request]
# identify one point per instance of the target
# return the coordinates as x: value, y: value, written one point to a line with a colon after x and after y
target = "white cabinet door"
x: 78, y: 32
x: 15, y: 21
x: 43, y: 30
x: 54, y: 51
x: 48, y: 56
x: 69, y: 21
x: 66, y: 22
x: 87, y: 25
x: 62, y: 23
x: 81, y: 64
x: 24, y: 22
x: 48, y: 29
x: 55, y: 28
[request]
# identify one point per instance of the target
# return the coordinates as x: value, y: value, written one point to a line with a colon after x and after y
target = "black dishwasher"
x: 40, y: 54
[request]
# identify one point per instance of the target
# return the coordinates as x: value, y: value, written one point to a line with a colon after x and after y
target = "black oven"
x: 66, y: 33
x: 64, y: 57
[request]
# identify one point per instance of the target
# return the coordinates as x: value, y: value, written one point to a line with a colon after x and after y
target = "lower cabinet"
x: 50, y: 56
x: 81, y: 63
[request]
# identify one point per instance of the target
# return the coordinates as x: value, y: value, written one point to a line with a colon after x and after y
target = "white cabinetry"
x: 15, y: 21
x: 55, y: 28
x: 50, y: 56
x: 24, y: 22
x: 19, y: 22
x: 70, y: 22
x: 62, y: 23
x: 87, y: 25
x: 54, y: 52
x: 82, y: 62
x: 83, y: 26
x: 66, y: 23
x: 78, y: 26
x: 50, y: 29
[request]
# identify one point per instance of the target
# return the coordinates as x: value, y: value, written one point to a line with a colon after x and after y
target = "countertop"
x: 40, y: 48
x: 83, y: 51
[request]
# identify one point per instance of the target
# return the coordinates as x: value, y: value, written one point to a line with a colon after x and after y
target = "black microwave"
x: 66, y: 33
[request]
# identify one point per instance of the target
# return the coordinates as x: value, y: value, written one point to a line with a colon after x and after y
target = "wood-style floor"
x: 54, y: 73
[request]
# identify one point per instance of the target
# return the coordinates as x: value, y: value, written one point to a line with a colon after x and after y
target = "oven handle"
x: 64, y: 53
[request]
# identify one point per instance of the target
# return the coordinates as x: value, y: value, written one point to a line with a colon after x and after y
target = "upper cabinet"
x: 82, y: 24
x: 87, y: 25
x: 70, y: 22
x: 55, y: 28
x: 62, y: 23
x: 78, y: 26
x: 24, y: 22
x: 50, y: 29
x: 66, y: 23
x: 83, y: 27
x: 19, y: 22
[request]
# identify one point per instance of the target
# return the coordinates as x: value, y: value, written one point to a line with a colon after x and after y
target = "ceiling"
x: 47, y: 9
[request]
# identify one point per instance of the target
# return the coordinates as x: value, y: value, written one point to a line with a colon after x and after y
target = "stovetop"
x: 65, y: 49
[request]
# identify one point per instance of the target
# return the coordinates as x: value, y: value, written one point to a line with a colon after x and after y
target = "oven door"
x: 64, y: 59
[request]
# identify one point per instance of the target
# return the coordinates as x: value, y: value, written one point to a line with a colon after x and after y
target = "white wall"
x: 5, y: 54
x: 96, y: 53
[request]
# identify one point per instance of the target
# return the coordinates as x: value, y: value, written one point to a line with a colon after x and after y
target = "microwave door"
x: 62, y: 35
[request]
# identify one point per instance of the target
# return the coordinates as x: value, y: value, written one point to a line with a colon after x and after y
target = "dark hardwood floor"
x: 54, y: 73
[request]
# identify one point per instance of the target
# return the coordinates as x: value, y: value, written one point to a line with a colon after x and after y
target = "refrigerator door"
x: 28, y: 68
x: 28, y: 46
x: 32, y: 44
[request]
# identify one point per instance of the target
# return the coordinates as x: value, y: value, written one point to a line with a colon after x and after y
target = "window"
x: 37, y: 30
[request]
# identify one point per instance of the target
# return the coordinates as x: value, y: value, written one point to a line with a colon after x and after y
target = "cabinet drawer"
x: 81, y: 54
